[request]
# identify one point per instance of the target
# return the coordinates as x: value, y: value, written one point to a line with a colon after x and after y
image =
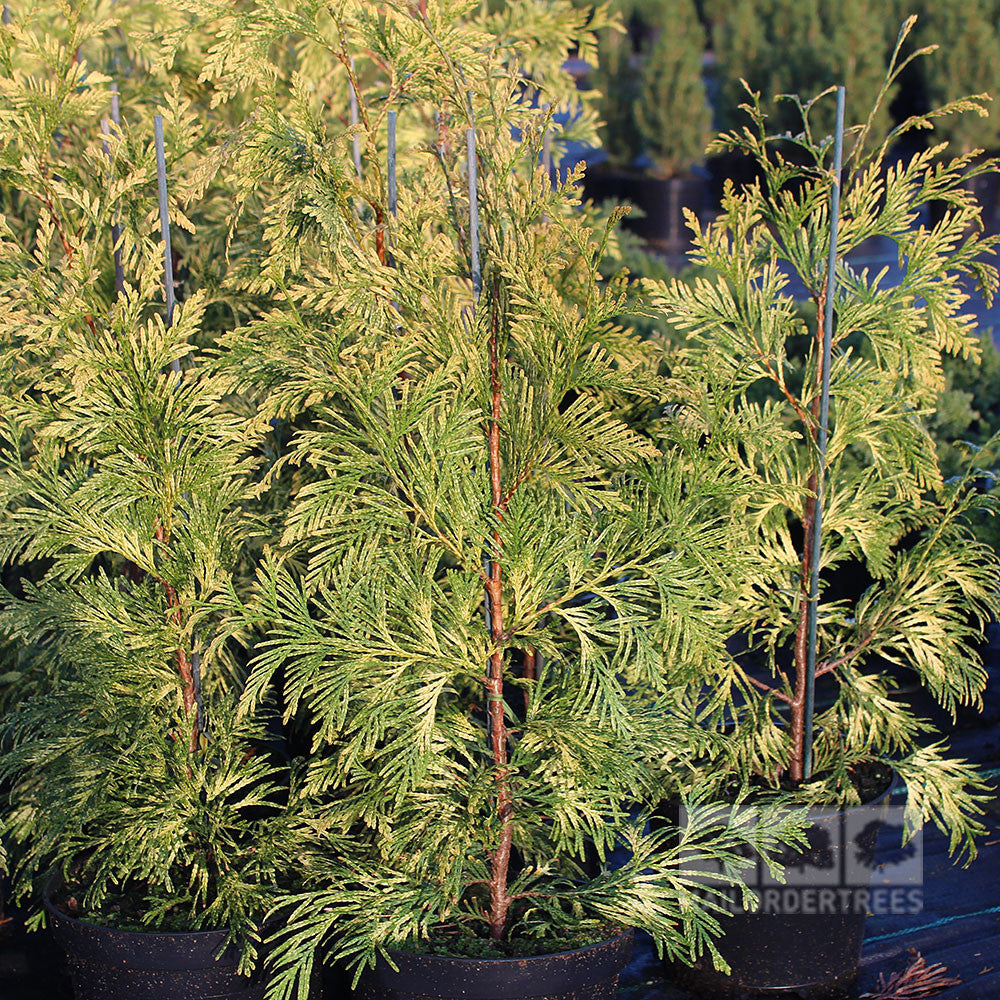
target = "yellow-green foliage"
x: 287, y: 488
x: 747, y: 386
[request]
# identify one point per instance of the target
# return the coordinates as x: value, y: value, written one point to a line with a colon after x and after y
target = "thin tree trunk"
x: 188, y: 688
x: 500, y: 858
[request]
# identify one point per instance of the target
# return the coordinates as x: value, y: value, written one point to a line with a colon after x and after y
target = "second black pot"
x: 663, y: 200
x: 105, y: 963
x: 589, y: 973
x: 805, y: 941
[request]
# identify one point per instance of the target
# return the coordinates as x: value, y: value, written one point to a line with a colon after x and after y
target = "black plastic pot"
x: 663, y: 201
x: 805, y: 941
x: 603, y: 184
x: 109, y: 964
x: 584, y: 974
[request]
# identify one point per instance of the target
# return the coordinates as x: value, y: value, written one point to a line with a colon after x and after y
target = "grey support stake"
x: 116, y: 113
x: 391, y: 164
x: 168, y: 263
x: 356, y: 143
x: 470, y: 152
x: 477, y: 285
x: 6, y: 15
x: 547, y: 151
x: 116, y: 233
x: 393, y: 191
x: 824, y: 426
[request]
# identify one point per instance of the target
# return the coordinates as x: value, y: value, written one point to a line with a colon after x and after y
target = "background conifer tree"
x: 966, y: 61
x: 672, y: 112
x: 618, y: 78
x: 801, y: 47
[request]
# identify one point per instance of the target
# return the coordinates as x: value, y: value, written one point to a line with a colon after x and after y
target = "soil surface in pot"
x: 121, y: 909
x: 454, y: 942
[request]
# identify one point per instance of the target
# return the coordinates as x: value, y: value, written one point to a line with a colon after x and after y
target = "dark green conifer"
x: 967, y: 61
x: 672, y: 113
x: 801, y: 47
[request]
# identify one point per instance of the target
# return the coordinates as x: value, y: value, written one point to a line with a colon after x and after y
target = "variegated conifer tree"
x: 747, y: 385
x: 489, y: 591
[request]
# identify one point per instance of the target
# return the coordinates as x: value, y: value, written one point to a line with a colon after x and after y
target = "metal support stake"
x: 116, y: 232
x: 470, y: 153
x: 824, y: 425
x: 356, y: 142
x: 547, y: 150
x: 391, y: 163
x: 168, y: 261
x: 477, y: 284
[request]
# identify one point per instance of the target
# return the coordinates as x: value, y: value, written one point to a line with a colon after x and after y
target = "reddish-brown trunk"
x: 500, y: 858
x: 67, y: 248
x: 380, y: 233
x: 188, y: 688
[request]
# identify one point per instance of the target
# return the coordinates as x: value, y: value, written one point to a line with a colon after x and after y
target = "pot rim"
x: 821, y: 811
x: 58, y: 914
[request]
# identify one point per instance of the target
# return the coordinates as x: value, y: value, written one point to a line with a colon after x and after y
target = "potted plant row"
x: 657, y: 122
x: 155, y: 823
x: 903, y: 586
x: 399, y: 520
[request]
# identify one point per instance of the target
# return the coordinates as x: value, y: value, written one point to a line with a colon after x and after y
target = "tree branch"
x: 46, y: 200
x: 767, y: 688
x: 829, y: 666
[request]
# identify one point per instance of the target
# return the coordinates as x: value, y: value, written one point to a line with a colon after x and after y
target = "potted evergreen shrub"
x: 674, y: 122
x: 902, y: 586
x: 657, y: 121
x: 141, y: 822
x: 153, y: 826
x: 476, y: 599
